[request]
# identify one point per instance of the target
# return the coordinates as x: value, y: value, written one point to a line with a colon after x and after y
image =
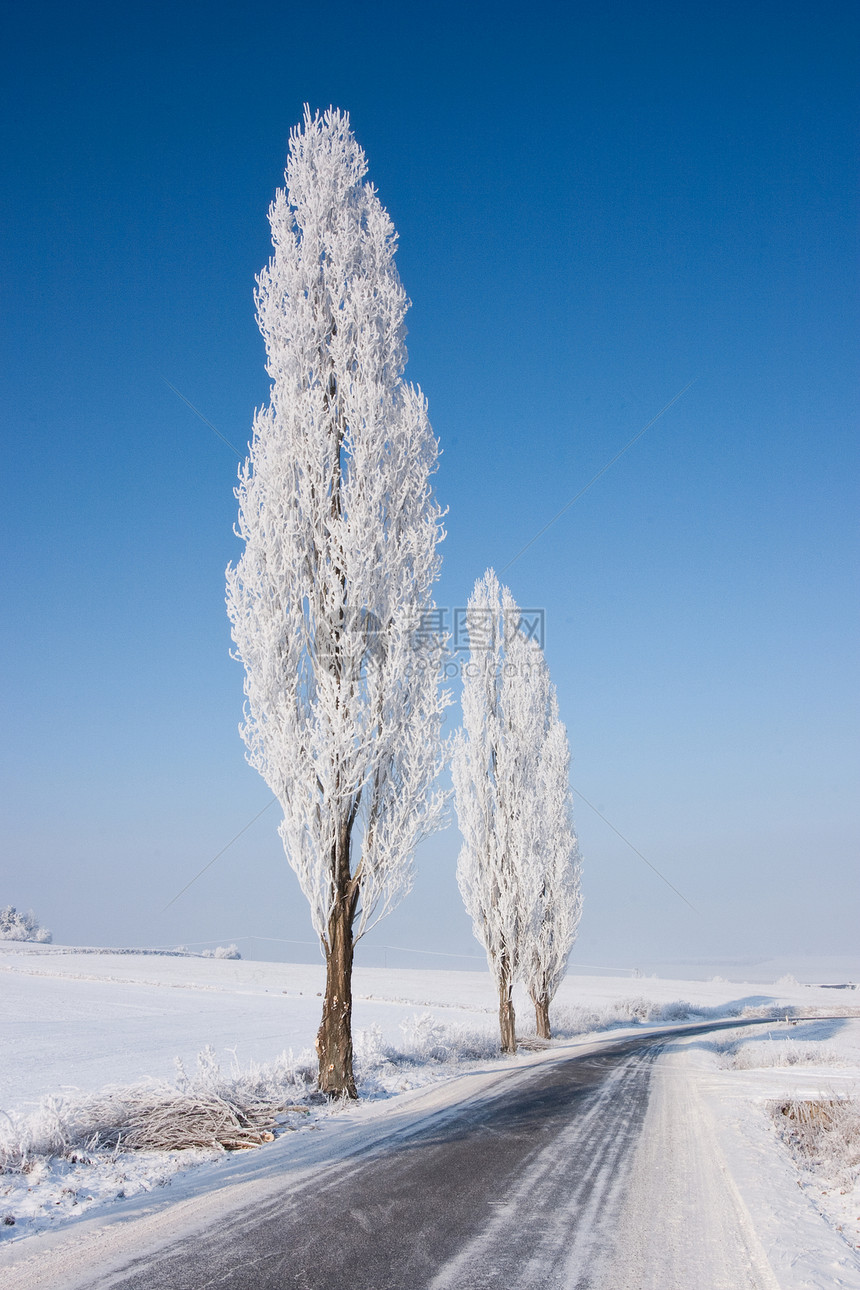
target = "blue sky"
x: 596, y: 206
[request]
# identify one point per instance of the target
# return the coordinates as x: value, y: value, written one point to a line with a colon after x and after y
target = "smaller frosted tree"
x: 542, y: 840
x: 518, y: 869
x: 554, y: 894
x: 486, y: 869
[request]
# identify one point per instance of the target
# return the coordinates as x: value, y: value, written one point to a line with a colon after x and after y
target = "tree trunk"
x: 507, y: 1017
x: 334, y: 1040
x: 541, y: 1003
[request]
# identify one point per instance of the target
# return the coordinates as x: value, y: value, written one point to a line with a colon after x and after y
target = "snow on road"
x: 712, y: 1200
x: 550, y: 1227
x: 683, y: 1222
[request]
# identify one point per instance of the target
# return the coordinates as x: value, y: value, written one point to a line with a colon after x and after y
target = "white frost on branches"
x: 15, y: 925
x: 331, y: 600
x: 554, y: 893
x: 519, y: 866
x: 486, y: 799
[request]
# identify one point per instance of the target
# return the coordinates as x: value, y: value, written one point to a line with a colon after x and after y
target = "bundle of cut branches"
x: 149, y: 1116
x: 177, y: 1121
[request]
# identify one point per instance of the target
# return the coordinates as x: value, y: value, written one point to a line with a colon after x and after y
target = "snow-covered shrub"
x: 371, y: 1051
x: 18, y: 926
x: 638, y: 1010
x: 577, y: 1019
x: 778, y: 1052
x: 677, y: 1010
x: 430, y: 1047
x: 427, y: 1037
x: 569, y: 1020
x: 823, y: 1135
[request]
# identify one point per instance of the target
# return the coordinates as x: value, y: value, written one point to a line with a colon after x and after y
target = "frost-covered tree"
x: 15, y: 925
x: 331, y: 601
x: 487, y: 795
x: 518, y: 868
x: 552, y: 889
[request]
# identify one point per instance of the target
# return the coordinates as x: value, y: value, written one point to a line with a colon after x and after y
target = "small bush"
x: 18, y: 926
x: 429, y: 1048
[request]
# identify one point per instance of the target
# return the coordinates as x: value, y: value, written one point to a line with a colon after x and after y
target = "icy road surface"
x: 599, y: 1171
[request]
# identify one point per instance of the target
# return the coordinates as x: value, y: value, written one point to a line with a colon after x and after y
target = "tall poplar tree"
x: 331, y: 601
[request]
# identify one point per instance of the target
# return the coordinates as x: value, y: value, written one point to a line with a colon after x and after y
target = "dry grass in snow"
x: 766, y: 1053
x: 210, y: 1111
x: 822, y: 1134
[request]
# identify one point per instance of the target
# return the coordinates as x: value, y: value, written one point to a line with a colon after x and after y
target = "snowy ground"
x: 747, y: 1084
x: 77, y: 1022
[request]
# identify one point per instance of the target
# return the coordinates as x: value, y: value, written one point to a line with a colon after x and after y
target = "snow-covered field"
x: 79, y: 1023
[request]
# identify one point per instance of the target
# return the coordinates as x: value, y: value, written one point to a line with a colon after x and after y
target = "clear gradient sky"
x: 597, y: 204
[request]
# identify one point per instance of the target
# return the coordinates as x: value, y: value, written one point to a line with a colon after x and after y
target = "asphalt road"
x: 519, y: 1189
